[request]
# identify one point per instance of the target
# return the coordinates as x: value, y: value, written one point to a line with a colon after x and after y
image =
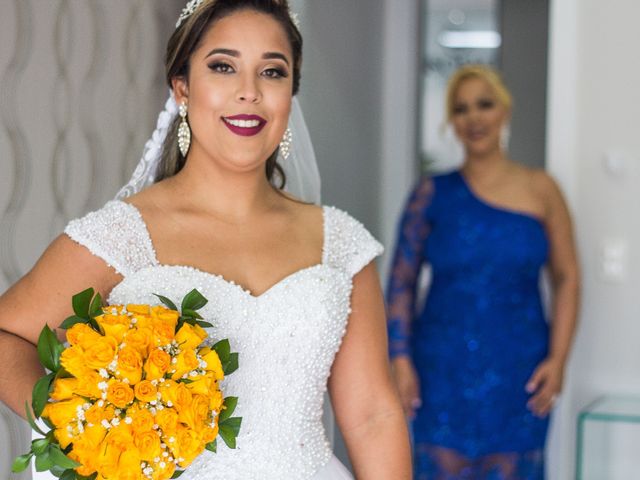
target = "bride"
x: 291, y: 284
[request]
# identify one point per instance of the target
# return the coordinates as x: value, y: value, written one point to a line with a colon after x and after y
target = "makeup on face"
x: 245, y: 125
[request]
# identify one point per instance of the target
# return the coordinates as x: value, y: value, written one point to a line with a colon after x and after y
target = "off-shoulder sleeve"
x: 348, y: 244
x: 117, y: 234
x: 408, y: 259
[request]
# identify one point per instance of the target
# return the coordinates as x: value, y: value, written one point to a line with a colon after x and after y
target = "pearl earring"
x: 184, y: 132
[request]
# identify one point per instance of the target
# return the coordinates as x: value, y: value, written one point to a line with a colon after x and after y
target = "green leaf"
x: 193, y: 300
x: 95, y: 309
x: 30, y: 419
x: 177, y: 473
x: 212, y: 446
x: 49, y: 349
x: 168, y: 303
x: 229, y: 406
x: 60, y: 459
x: 223, y: 349
x: 43, y: 462
x: 187, y: 312
x: 229, y: 430
x: 204, y: 324
x: 231, y: 365
x: 40, y: 393
x: 39, y: 445
x: 71, y: 321
x: 68, y: 474
x: 185, y: 380
x: 81, y: 302
x: 57, y: 470
x: 21, y: 463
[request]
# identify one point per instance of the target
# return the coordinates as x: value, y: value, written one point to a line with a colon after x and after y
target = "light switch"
x: 614, y: 257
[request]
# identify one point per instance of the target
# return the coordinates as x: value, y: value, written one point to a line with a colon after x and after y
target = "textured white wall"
x: 80, y: 87
x: 594, y: 99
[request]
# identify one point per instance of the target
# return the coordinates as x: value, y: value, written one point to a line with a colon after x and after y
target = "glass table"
x: 608, y: 439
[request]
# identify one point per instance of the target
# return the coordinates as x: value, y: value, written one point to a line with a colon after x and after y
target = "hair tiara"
x: 192, y: 6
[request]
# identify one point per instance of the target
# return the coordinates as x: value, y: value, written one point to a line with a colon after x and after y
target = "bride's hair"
x: 187, y: 38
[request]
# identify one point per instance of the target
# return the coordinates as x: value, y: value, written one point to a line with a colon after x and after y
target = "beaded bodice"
x: 287, y: 337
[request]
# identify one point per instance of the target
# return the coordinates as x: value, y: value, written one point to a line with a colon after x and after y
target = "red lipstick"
x: 245, y: 125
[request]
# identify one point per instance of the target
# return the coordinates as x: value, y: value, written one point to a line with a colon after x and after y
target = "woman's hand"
x: 408, y: 385
x: 545, y: 385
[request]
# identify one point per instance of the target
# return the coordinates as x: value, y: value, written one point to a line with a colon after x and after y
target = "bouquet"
x: 133, y: 396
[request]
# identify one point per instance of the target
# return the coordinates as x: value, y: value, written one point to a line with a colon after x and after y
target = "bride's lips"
x: 245, y: 125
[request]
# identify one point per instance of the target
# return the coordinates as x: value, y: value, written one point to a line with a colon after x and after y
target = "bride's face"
x: 239, y: 90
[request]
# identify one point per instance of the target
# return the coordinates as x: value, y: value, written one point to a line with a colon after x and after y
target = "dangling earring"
x: 184, y: 132
x: 285, y: 144
x: 505, y: 136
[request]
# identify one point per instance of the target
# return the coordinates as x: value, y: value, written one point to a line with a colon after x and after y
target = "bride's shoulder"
x: 349, y: 245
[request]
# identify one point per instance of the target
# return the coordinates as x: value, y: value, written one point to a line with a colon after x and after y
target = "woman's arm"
x: 401, y: 292
x: 43, y: 296
x: 547, y: 380
x: 364, y: 398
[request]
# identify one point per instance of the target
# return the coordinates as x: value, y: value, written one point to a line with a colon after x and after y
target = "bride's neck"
x: 233, y: 194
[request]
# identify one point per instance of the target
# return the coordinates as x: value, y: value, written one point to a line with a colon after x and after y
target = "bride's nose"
x: 249, y: 90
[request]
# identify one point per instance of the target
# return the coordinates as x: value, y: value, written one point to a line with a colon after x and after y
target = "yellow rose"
x: 163, y: 470
x: 142, y: 420
x: 117, y: 441
x: 97, y: 413
x: 145, y: 391
x: 141, y: 313
x: 72, y: 359
x: 114, y: 325
x: 216, y: 400
x: 63, y: 436
x: 196, y: 414
x: 64, y: 388
x: 186, y: 362
x: 190, y: 336
x: 94, y: 435
x: 212, y: 359
x: 167, y: 420
x: 85, y: 456
x: 119, y: 393
x: 189, y: 446
x: 82, y: 335
x: 209, y: 434
x: 88, y: 384
x: 148, y: 443
x: 100, y: 353
x: 200, y: 384
x: 140, y: 339
x: 129, y: 465
x: 62, y: 413
x: 168, y: 392
x: 163, y: 333
x: 129, y: 365
x: 175, y: 394
x: 163, y: 314
x: 157, y: 364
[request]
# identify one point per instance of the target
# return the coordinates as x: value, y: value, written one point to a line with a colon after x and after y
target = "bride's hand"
x: 408, y: 385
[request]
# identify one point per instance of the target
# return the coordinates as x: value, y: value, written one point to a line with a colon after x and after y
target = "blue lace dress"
x: 479, y: 335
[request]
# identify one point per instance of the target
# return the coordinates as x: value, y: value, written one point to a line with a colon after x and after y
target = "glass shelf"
x: 607, y: 430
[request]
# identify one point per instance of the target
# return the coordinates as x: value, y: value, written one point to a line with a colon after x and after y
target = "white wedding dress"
x: 287, y: 339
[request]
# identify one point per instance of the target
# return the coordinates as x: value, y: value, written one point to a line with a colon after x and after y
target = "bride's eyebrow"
x: 236, y: 53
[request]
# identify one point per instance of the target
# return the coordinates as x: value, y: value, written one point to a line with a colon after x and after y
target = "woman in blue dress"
x: 479, y: 367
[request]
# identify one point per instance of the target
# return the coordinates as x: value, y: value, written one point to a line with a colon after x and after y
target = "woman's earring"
x: 505, y: 136
x: 285, y: 144
x: 184, y: 132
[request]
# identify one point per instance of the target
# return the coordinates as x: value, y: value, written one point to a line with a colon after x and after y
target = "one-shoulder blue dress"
x: 478, y: 337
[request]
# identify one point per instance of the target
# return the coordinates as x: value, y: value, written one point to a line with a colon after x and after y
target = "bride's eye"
x: 275, y: 73
x: 221, y: 67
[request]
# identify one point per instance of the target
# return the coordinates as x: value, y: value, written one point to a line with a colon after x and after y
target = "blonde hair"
x: 482, y: 72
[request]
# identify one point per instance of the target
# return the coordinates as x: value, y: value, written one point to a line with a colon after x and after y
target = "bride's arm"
x: 365, y: 401
x: 42, y: 296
